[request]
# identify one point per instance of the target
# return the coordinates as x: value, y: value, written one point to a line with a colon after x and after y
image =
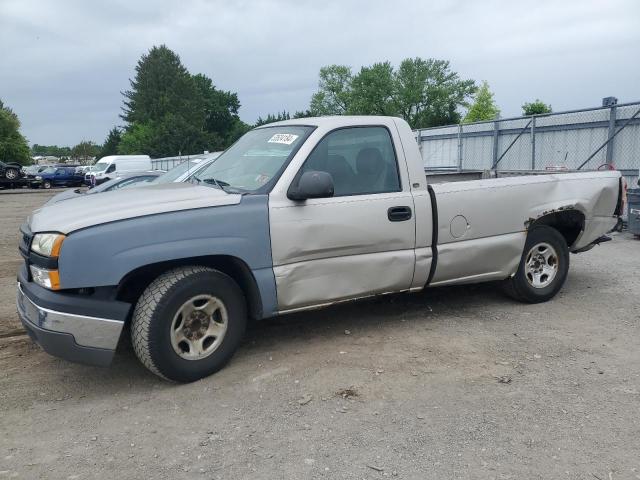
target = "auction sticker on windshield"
x: 285, y: 138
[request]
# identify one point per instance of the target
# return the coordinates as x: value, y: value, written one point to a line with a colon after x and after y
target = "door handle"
x: 399, y: 214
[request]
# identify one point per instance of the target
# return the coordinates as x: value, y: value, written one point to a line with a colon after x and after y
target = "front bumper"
x: 78, y: 338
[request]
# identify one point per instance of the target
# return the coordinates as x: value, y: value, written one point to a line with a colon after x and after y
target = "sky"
x: 63, y: 63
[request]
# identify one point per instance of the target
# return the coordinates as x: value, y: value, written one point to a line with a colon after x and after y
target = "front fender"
x: 102, y: 255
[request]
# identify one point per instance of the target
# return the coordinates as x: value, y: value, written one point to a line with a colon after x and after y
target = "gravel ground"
x: 15, y: 207
x: 448, y: 383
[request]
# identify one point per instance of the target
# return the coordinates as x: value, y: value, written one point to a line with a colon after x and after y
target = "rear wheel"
x: 543, y: 267
x: 11, y: 173
x: 188, y: 323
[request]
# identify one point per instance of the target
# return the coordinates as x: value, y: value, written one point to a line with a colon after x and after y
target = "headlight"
x: 47, y: 244
x: 45, y: 278
x: 38, y: 177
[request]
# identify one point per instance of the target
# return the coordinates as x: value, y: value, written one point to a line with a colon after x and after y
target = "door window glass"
x: 361, y: 160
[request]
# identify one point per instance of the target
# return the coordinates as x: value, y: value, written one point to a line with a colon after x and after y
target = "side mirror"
x: 312, y: 184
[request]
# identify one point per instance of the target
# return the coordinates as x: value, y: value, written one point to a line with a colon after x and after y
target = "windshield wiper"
x: 214, y: 181
x: 221, y: 184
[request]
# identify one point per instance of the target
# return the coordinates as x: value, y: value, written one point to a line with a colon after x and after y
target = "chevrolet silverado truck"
x: 295, y: 215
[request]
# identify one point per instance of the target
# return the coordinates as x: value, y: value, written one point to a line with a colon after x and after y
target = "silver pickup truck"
x: 295, y: 215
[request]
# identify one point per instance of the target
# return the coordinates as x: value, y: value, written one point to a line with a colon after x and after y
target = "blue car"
x: 58, y: 177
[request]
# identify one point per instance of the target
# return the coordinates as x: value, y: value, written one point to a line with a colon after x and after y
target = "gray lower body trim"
x: 78, y: 332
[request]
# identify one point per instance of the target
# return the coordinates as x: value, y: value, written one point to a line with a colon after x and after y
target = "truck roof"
x: 337, y: 121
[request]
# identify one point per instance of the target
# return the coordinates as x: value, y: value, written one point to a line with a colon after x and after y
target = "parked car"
x: 295, y: 215
x: 33, y: 169
x: 57, y: 177
x: 184, y: 171
x: 125, y: 181
x: 10, y: 170
x: 113, y: 165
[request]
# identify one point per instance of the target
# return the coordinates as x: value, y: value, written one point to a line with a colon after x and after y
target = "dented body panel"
x: 335, y: 249
x: 482, y: 224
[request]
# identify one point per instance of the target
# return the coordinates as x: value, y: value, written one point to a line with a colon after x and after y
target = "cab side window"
x: 112, y: 168
x: 361, y: 160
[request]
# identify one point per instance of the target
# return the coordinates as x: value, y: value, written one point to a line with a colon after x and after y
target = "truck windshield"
x: 255, y: 159
x: 49, y: 170
x: 99, y: 167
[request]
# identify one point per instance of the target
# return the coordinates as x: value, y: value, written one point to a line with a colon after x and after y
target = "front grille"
x: 25, y: 241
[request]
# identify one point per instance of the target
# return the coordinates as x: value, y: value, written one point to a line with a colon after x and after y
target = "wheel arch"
x: 135, y: 282
x: 570, y: 222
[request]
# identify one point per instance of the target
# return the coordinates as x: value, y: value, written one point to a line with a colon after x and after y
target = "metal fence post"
x: 459, y: 147
x: 533, y: 142
x: 496, y: 130
x: 612, y: 131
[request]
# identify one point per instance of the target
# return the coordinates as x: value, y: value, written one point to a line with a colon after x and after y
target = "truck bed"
x: 478, y: 227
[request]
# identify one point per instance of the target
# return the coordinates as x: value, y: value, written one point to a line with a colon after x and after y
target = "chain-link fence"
x: 581, y: 139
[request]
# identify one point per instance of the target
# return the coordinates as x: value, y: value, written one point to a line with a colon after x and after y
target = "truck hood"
x: 89, y: 210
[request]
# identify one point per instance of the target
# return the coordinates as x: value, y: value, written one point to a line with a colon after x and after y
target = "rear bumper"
x: 78, y: 338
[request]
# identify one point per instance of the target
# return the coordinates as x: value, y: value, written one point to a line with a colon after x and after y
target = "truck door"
x: 60, y: 178
x: 358, y: 242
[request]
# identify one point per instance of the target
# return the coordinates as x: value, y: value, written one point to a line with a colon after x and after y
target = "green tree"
x: 334, y: 91
x: 163, y: 109
x: 169, y: 111
x: 484, y: 106
x: 280, y: 116
x: 425, y: 93
x: 172, y: 135
x: 13, y: 145
x: 429, y: 93
x: 138, y: 138
x: 110, y: 146
x: 303, y: 114
x: 373, y: 91
x: 85, y: 152
x: 50, y: 150
x: 536, y: 107
x: 221, y: 120
x: 161, y: 85
x: 270, y: 118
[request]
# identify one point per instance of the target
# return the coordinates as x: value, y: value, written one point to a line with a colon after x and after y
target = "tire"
x: 12, y: 174
x: 46, y: 184
x: 169, y: 318
x: 543, y: 267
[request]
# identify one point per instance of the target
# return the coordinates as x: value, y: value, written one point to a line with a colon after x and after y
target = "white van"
x: 113, y: 166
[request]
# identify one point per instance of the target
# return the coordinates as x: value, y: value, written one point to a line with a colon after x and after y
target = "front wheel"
x: 11, y: 173
x: 188, y: 323
x: 543, y: 267
x: 46, y: 184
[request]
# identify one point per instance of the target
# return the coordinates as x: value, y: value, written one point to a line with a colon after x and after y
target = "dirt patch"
x: 348, y: 393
